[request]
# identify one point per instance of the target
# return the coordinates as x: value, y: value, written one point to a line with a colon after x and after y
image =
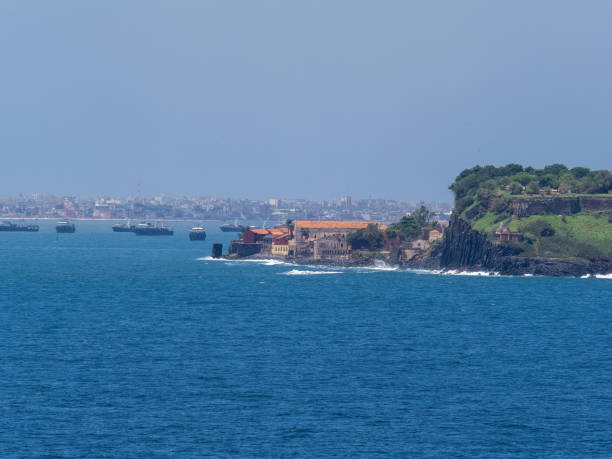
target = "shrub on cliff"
x: 407, y: 228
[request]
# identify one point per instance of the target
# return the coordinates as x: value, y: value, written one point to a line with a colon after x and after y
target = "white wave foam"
x: 297, y: 272
x: 454, y: 272
x: 262, y: 261
x: 379, y: 268
x: 597, y: 276
x: 469, y: 273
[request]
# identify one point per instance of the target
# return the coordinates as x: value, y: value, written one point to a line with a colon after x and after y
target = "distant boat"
x: 8, y: 226
x: 197, y: 233
x: 123, y: 228
x: 227, y: 228
x: 64, y: 226
x: 149, y: 229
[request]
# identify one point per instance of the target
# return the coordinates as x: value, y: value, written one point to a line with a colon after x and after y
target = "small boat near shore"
x: 197, y: 233
x: 64, y: 226
x: 149, y: 229
x: 13, y: 227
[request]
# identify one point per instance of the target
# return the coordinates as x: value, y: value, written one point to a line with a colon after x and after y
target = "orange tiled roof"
x: 259, y: 231
x: 327, y: 224
x: 265, y: 231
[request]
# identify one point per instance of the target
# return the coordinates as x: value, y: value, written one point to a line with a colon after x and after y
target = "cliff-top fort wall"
x: 558, y: 205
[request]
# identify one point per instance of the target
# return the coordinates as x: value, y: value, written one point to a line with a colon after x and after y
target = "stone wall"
x: 242, y: 249
x: 524, y: 207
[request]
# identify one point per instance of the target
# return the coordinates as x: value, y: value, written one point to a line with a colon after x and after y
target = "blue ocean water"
x: 113, y: 345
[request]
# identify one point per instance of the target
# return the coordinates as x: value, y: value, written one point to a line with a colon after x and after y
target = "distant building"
x: 346, y: 202
x: 434, y: 235
x: 420, y: 244
x: 254, y: 235
x: 280, y: 245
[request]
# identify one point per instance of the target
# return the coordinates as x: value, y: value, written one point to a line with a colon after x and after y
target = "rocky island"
x: 508, y: 220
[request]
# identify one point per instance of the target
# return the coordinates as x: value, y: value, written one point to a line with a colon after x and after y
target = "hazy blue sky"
x: 312, y: 99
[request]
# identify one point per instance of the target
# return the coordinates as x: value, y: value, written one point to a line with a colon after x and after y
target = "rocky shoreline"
x: 466, y: 249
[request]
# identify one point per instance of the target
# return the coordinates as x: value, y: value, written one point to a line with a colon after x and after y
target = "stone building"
x: 308, y: 232
x: 280, y: 245
x: 502, y: 233
x: 331, y: 246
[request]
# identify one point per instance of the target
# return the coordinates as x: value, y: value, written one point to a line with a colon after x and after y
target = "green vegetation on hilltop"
x: 586, y: 235
x: 480, y: 182
x: 368, y: 238
x: 483, y: 197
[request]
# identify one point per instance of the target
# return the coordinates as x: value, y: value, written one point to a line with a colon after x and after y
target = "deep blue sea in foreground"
x: 113, y: 345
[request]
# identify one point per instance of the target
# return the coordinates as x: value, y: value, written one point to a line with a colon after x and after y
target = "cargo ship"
x: 149, y: 229
x: 228, y: 228
x: 123, y: 228
x: 8, y: 226
x: 197, y: 233
x: 64, y: 226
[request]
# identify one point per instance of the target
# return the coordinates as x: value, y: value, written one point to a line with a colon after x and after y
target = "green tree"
x: 533, y: 187
x: 516, y: 188
x: 370, y: 238
x: 407, y: 228
x: 291, y: 226
x: 523, y: 178
x: 580, y: 172
x: 424, y: 216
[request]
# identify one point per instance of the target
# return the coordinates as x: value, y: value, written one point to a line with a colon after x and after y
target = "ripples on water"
x: 119, y: 346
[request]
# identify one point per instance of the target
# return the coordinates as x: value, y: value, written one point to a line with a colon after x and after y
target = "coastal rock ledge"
x: 466, y: 249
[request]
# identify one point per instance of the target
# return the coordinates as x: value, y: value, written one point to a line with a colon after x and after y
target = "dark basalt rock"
x: 464, y: 248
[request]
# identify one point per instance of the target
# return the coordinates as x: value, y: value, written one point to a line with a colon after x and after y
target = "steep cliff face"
x: 466, y: 249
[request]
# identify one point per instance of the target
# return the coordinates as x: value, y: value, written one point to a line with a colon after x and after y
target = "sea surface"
x: 113, y: 345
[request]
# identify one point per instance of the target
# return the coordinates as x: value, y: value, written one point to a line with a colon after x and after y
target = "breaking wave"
x: 297, y: 272
x: 262, y: 261
x: 380, y: 266
x: 597, y: 276
x: 454, y: 272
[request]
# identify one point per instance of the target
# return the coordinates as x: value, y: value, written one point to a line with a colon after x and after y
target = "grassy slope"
x: 583, y: 235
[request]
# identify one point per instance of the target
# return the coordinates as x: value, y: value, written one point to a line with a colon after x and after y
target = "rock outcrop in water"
x: 464, y: 248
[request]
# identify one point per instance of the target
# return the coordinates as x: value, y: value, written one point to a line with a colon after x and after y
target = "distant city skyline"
x: 164, y: 195
x: 210, y: 208
x: 303, y: 99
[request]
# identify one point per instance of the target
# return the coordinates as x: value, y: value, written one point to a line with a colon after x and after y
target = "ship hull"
x: 153, y: 232
x: 123, y: 229
x: 19, y: 228
x: 231, y: 229
x: 65, y: 229
x: 197, y: 235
